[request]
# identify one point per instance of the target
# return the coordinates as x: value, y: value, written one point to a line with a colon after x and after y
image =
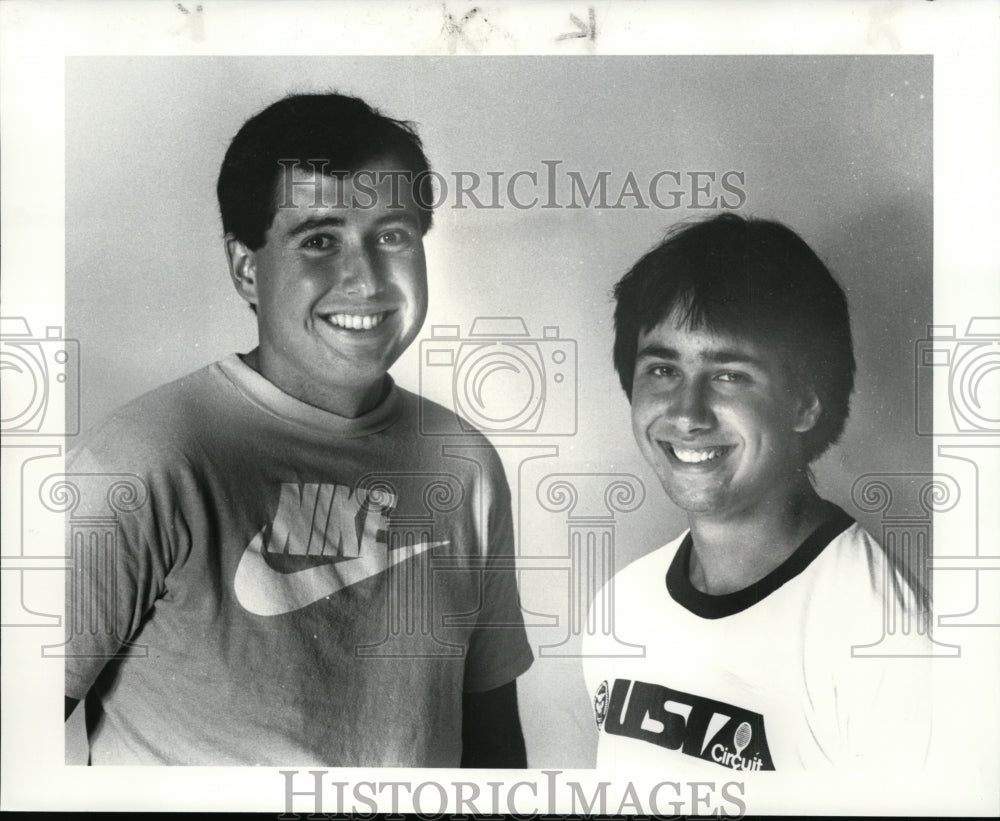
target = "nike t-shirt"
x: 257, y: 581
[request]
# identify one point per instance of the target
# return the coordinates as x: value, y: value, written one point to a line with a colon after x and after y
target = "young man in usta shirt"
x: 733, y: 345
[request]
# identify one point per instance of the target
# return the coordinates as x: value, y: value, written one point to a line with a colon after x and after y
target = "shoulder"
x: 857, y: 558
x: 647, y: 573
x: 635, y: 597
x: 440, y: 430
x: 435, y: 421
x: 868, y: 590
x: 661, y: 557
x: 162, y: 423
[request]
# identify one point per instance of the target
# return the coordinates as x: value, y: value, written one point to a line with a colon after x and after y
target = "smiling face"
x: 717, y: 419
x: 339, y: 286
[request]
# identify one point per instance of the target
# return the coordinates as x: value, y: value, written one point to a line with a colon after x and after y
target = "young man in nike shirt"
x: 297, y: 576
x: 733, y: 345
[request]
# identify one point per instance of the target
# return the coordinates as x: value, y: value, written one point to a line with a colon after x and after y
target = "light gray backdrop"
x: 838, y: 147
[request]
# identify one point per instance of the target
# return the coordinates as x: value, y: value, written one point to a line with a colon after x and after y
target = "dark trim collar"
x: 716, y: 607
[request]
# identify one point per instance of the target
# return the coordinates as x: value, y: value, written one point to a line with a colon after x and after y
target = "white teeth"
x: 357, y: 322
x: 699, y: 455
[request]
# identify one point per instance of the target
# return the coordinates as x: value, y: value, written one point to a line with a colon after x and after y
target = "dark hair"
x: 755, y: 279
x: 342, y: 132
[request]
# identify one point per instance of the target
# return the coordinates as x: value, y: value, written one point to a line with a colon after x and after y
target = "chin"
x: 697, y: 506
x: 696, y: 502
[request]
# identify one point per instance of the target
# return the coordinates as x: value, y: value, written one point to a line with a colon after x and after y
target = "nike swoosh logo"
x: 264, y: 591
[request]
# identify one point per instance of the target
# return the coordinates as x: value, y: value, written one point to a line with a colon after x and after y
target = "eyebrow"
x: 720, y: 356
x: 338, y: 222
x: 315, y: 222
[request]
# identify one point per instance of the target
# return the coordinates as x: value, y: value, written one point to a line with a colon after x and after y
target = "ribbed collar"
x: 274, y: 401
x: 707, y: 606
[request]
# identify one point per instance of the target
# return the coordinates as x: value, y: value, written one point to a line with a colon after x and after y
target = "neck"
x: 349, y: 402
x: 730, y: 553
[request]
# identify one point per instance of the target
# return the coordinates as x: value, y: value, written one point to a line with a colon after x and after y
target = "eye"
x: 732, y: 377
x: 663, y: 371
x: 319, y: 242
x: 394, y: 238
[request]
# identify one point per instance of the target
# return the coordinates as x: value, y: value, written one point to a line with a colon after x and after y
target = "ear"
x: 242, y: 268
x: 807, y: 412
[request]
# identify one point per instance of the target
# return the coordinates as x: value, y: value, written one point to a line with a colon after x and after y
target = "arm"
x: 498, y: 648
x: 491, y: 729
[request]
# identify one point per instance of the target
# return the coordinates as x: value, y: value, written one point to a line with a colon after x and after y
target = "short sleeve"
x: 498, y: 649
x: 885, y: 689
x: 115, y: 570
x: 890, y: 720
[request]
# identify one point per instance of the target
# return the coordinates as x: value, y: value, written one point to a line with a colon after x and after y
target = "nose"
x: 358, y: 272
x: 690, y: 410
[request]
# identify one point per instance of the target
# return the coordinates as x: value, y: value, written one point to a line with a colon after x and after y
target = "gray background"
x: 837, y: 147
